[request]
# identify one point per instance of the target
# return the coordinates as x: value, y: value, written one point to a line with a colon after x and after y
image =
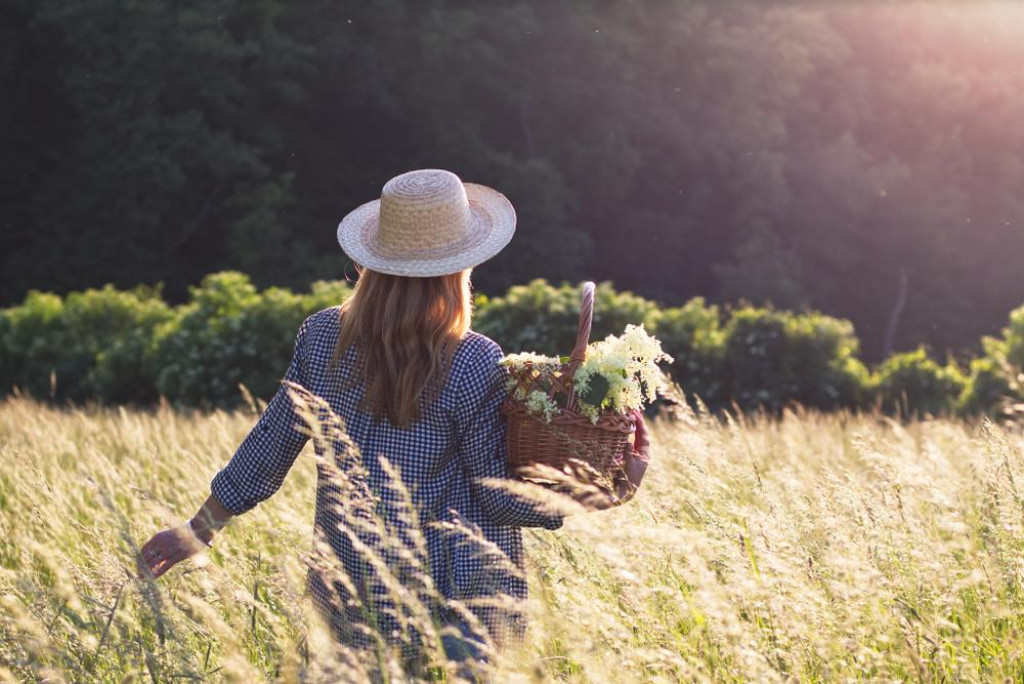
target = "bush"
x: 775, y: 358
x: 693, y: 336
x: 121, y: 373
x: 92, y: 343
x: 29, y: 345
x: 324, y: 294
x: 129, y: 346
x: 823, y: 352
x: 912, y: 383
x: 229, y: 335
x: 1013, y: 339
x: 994, y: 381
x: 541, y: 318
x: 986, y: 388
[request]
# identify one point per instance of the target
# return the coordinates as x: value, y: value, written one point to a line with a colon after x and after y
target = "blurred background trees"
x: 803, y: 154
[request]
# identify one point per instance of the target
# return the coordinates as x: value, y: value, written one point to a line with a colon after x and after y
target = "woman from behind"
x: 409, y: 510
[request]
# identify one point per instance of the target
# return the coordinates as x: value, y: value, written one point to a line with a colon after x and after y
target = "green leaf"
x: 563, y: 359
x: 597, y: 390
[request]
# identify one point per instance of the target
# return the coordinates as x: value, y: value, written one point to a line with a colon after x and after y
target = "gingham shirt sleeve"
x: 482, y: 443
x: 264, y: 458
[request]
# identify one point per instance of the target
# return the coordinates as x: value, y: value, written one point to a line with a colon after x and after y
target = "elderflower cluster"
x: 522, y: 359
x: 629, y: 364
x: 538, y: 402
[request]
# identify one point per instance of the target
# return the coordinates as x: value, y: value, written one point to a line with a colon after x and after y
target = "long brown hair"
x: 405, y: 331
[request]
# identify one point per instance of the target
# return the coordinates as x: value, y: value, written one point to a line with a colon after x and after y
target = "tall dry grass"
x: 815, y: 548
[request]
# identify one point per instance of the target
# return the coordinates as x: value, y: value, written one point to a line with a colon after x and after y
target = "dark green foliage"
x: 783, y: 152
x: 693, y: 336
x: 123, y: 369
x: 996, y: 383
x: 93, y: 343
x: 129, y: 346
x: 763, y: 271
x: 230, y: 335
x: 157, y: 143
x: 1013, y: 338
x: 597, y: 390
x: 987, y: 388
x: 911, y: 383
x: 823, y: 352
x: 29, y: 341
x: 762, y: 358
x: 777, y: 358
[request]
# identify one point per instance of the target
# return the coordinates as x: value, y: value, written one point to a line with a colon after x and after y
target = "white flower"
x: 629, y: 363
x: 538, y: 402
x: 523, y: 359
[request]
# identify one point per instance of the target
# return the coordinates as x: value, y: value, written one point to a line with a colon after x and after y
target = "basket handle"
x: 579, y: 352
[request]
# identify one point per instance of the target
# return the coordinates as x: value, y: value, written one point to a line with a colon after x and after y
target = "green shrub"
x: 225, y: 336
x: 986, y: 388
x: 994, y: 381
x: 824, y: 352
x: 30, y: 343
x: 541, y: 318
x: 912, y: 383
x: 693, y: 336
x: 91, y: 342
x: 129, y: 346
x: 775, y: 358
x: 121, y: 373
x: 229, y: 335
x: 324, y: 294
x: 1013, y: 338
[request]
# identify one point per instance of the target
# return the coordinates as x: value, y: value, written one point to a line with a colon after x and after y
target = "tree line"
x: 860, y: 159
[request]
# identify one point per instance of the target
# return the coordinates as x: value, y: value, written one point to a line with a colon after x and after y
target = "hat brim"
x: 492, y: 224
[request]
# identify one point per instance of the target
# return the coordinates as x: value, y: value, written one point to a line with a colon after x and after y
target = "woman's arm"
x: 253, y: 474
x: 209, y: 519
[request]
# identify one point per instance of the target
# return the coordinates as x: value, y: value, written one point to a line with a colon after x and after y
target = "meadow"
x: 816, y: 548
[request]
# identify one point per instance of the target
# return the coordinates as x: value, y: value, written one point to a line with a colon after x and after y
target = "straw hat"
x: 428, y: 223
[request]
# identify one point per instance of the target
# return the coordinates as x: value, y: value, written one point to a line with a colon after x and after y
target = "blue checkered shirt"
x: 441, y: 460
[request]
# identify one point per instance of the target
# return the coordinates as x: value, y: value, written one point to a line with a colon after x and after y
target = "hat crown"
x: 423, y: 208
x: 428, y: 223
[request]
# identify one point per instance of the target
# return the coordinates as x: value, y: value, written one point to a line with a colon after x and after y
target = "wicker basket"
x: 571, y: 443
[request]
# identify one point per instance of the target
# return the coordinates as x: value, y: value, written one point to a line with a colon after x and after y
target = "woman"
x: 400, y: 366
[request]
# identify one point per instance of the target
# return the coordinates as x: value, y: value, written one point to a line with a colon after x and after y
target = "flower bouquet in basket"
x: 568, y: 416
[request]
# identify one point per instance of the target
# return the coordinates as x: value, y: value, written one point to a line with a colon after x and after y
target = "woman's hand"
x: 635, y: 458
x: 168, y: 548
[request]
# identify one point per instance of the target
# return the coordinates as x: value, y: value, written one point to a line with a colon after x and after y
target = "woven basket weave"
x: 571, y: 443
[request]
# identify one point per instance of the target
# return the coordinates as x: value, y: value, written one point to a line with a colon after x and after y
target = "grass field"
x: 816, y: 548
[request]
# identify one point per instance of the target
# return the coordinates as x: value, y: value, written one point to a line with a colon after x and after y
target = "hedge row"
x: 130, y: 346
x: 755, y: 358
